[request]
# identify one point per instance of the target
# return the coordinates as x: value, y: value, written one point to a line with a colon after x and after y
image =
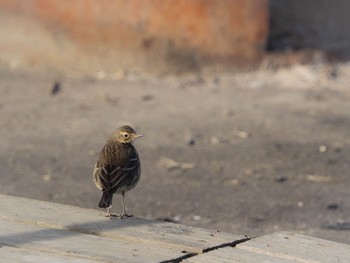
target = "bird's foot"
x: 113, y: 216
x: 125, y: 216
x: 110, y: 215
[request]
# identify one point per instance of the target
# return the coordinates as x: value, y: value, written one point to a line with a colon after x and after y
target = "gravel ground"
x: 248, y: 153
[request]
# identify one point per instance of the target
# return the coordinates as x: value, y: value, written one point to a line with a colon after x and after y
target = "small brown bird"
x: 118, y: 167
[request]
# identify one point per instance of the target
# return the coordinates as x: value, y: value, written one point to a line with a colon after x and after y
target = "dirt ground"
x: 248, y: 153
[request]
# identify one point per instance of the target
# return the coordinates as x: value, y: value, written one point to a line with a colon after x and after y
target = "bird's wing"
x: 111, y: 176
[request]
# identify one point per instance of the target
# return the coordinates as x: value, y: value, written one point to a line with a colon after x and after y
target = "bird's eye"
x: 126, y: 135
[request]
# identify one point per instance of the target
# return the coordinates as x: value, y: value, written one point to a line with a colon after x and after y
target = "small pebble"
x: 281, y: 179
x: 196, y: 217
x: 232, y: 182
x: 323, y: 148
x: 176, y: 218
x: 56, y: 88
x: 214, y: 140
x: 250, y: 172
x: 241, y: 134
x: 191, y: 142
x: 46, y: 178
x: 332, y: 206
x: 147, y: 97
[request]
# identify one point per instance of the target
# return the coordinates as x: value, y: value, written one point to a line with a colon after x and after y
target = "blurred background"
x: 244, y: 105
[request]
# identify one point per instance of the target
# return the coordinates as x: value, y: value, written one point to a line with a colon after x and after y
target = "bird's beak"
x: 138, y: 135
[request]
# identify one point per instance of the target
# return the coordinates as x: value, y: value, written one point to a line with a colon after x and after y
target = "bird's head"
x: 125, y: 134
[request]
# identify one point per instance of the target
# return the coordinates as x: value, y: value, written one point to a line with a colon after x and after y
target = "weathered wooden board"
x: 50, y: 215
x: 78, y: 245
x: 20, y: 255
x: 34, y: 231
x: 85, y: 234
x: 279, y: 247
x: 233, y: 255
x: 298, y: 248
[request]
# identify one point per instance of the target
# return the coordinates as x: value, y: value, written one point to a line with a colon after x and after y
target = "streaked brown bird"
x: 118, y: 167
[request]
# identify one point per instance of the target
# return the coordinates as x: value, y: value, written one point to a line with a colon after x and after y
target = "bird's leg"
x: 124, y: 215
x: 108, y: 211
x: 109, y: 214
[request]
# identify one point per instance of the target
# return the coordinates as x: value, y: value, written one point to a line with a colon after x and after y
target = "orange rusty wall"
x: 209, y: 28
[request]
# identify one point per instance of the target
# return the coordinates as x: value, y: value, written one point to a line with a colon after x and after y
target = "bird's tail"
x: 106, y: 199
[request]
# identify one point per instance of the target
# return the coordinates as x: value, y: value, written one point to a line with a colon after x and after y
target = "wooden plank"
x: 290, y: 246
x: 278, y: 247
x: 78, y: 245
x: 230, y: 255
x: 39, y: 213
x: 20, y: 255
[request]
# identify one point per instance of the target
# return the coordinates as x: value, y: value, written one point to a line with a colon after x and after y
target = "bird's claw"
x: 113, y: 216
x: 125, y: 216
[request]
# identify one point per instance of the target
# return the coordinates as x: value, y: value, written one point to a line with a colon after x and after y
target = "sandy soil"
x: 247, y: 153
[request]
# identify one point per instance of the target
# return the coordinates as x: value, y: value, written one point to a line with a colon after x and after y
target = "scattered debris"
x: 191, y: 137
x: 241, y: 134
x: 338, y: 226
x: 323, y: 148
x: 56, y: 88
x: 214, y: 140
x: 147, y: 97
x: 232, y: 182
x: 110, y: 99
x: 249, y: 171
x: 47, y: 178
x: 281, y: 178
x: 191, y: 142
x: 332, y: 206
x: 192, y: 83
x: 167, y: 219
x: 196, y: 217
x: 170, y: 164
x: 176, y: 218
x: 318, y: 178
x: 258, y: 218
